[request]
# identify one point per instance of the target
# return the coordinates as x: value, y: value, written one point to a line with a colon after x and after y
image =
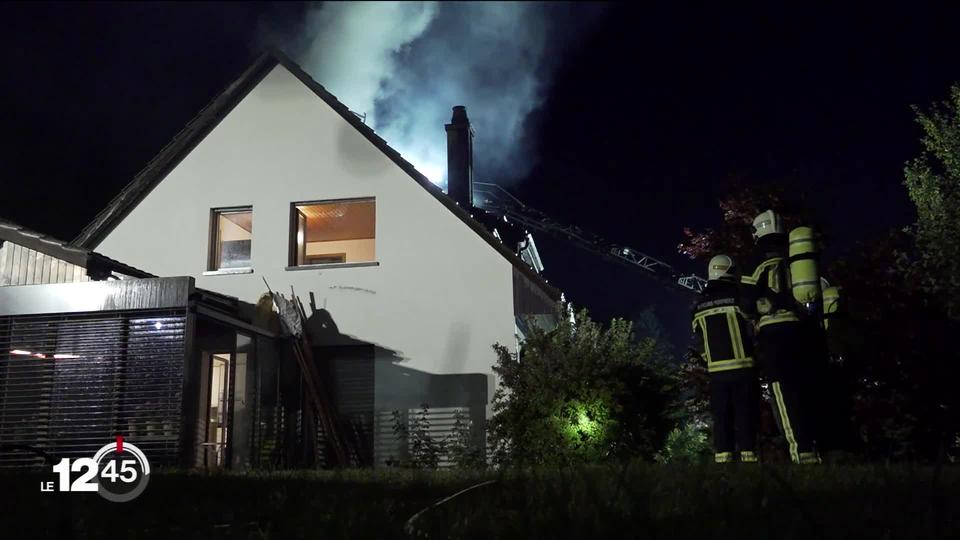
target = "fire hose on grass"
x: 409, y: 527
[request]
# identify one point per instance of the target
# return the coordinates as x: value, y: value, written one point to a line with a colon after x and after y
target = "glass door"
x: 219, y: 411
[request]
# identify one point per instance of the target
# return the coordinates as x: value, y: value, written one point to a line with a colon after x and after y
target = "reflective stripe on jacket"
x: 780, y: 316
x: 721, y: 329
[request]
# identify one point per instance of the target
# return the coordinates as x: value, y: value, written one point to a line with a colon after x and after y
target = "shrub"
x: 686, y: 444
x: 461, y: 446
x: 580, y: 393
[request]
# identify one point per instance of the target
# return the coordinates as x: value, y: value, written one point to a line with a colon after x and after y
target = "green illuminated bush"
x: 580, y: 394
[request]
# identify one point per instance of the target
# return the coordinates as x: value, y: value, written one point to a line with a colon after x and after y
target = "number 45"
x: 126, y: 466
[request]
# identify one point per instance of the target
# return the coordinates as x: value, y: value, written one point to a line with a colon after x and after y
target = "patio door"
x: 218, y: 410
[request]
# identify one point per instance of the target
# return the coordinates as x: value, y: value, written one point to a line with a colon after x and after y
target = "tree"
x: 580, y: 393
x: 651, y: 336
x: 742, y: 202
x: 898, y: 367
x: 933, y: 183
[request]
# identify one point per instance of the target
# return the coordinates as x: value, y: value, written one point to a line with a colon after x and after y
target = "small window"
x: 231, y: 236
x: 333, y: 232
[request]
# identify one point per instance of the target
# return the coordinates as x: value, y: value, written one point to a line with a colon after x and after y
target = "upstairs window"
x: 231, y: 235
x: 333, y: 232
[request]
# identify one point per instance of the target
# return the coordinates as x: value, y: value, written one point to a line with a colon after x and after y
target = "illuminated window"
x: 231, y: 234
x: 333, y: 232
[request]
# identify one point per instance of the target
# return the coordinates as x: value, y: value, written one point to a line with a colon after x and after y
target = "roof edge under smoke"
x: 210, y: 117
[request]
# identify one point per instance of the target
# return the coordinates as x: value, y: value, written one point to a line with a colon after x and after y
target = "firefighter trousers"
x: 787, y: 363
x: 735, y: 403
x: 792, y: 413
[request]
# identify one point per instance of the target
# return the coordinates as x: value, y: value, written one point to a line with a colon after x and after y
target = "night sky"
x: 648, y: 114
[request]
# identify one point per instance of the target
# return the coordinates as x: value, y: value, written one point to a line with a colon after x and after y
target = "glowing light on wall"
x: 21, y: 352
x: 65, y: 356
x: 158, y: 325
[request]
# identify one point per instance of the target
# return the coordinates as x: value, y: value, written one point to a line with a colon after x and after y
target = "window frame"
x: 294, y: 224
x: 213, y: 253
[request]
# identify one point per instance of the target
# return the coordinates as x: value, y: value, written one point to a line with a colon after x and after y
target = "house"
x: 277, y: 184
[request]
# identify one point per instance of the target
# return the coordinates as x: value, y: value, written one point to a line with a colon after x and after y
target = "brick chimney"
x: 460, y: 158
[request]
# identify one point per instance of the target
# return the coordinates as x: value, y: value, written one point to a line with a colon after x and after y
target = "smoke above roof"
x: 404, y: 64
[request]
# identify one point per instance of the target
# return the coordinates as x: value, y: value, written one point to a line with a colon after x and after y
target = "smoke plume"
x: 405, y: 64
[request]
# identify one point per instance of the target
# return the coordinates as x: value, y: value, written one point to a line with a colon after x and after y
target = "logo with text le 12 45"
x: 119, y: 472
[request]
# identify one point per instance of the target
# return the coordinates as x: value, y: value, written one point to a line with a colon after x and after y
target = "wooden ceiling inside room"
x: 342, y: 220
x: 243, y: 219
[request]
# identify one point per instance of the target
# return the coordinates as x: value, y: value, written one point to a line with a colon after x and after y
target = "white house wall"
x: 440, y: 297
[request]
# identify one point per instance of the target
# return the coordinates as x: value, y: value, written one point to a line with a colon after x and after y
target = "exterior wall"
x: 439, y: 297
x: 23, y: 266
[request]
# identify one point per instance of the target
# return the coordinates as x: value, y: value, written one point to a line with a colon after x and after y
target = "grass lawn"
x: 623, y: 501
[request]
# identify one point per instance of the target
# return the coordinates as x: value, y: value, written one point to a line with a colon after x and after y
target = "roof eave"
x: 17, y: 234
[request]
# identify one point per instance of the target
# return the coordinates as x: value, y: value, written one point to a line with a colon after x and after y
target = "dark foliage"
x: 897, y: 346
x: 581, y: 393
x: 743, y: 201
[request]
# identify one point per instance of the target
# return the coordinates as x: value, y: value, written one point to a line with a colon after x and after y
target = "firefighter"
x: 835, y: 431
x: 832, y: 313
x: 782, y: 340
x: 723, y: 339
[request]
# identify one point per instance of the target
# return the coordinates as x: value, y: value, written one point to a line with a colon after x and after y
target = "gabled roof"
x: 211, y: 115
x: 94, y: 262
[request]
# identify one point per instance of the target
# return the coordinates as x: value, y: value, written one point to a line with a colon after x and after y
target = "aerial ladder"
x: 497, y: 201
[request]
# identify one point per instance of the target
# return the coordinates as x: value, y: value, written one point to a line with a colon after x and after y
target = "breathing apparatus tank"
x: 832, y: 312
x: 831, y: 305
x: 804, y: 270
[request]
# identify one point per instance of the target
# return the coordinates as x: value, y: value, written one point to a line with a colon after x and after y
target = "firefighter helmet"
x: 721, y: 267
x: 766, y: 223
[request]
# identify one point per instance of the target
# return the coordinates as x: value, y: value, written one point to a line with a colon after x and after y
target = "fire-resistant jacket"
x: 766, y: 284
x: 722, y: 334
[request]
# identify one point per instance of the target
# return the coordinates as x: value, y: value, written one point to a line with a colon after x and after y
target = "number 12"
x: 83, y: 483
